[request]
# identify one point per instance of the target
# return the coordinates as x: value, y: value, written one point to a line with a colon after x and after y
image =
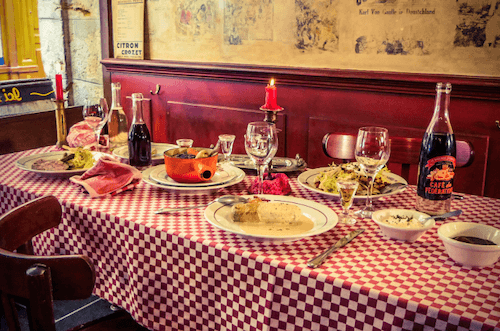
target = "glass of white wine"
x: 347, y: 189
x: 373, y: 149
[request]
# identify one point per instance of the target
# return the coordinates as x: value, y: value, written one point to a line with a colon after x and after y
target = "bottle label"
x: 438, y: 181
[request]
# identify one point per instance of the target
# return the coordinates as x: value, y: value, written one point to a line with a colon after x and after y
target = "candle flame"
x: 272, y: 82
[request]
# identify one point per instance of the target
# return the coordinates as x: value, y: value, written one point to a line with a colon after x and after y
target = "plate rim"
x: 21, y: 163
x: 291, y: 168
x: 331, y: 217
x: 200, y: 184
x: 315, y: 171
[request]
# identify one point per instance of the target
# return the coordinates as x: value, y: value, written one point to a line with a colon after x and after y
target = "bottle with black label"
x: 437, y: 162
x: 139, y: 139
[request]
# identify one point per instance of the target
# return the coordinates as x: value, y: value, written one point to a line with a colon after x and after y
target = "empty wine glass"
x: 347, y: 188
x: 225, y: 143
x: 261, y: 144
x: 95, y: 114
x: 373, y: 148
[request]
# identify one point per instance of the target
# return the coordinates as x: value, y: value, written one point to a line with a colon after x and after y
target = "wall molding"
x: 469, y: 87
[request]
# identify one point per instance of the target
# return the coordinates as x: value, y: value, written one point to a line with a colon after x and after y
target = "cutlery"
x: 443, y: 216
x: 318, y: 260
x: 225, y: 200
x: 395, y: 186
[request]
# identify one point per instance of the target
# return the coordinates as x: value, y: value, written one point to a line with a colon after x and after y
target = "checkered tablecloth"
x: 178, y: 272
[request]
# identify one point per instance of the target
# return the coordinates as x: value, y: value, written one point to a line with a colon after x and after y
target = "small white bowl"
x: 401, y: 233
x: 470, y: 255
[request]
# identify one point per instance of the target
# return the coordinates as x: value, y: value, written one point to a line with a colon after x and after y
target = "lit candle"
x: 271, y: 103
x: 59, y: 88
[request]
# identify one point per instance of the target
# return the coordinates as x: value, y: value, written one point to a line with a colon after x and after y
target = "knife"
x: 318, y: 260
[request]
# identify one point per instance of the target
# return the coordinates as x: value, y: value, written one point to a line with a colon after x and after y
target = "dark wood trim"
x: 469, y: 87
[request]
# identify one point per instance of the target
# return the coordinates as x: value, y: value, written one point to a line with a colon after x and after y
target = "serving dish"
x: 26, y: 162
x: 401, y: 233
x: 322, y: 216
x: 306, y: 179
x: 160, y: 148
x: 223, y: 175
x: 193, y: 188
x: 470, y: 255
x: 280, y: 164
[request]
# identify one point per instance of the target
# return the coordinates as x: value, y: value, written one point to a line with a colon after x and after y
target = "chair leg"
x: 41, y: 306
x: 10, y: 311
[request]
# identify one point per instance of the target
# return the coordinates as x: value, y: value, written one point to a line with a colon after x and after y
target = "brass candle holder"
x: 271, y: 115
x: 61, y: 127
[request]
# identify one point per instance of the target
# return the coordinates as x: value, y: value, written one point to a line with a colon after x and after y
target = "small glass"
x: 184, y: 142
x: 226, y: 142
x: 347, y: 189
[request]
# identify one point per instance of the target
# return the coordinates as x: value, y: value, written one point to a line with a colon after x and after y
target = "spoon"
x: 226, y: 200
x: 443, y: 216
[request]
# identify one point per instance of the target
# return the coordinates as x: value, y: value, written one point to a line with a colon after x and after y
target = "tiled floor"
x: 69, y: 314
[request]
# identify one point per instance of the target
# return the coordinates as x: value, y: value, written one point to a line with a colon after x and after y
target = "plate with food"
x: 279, y: 164
x: 157, y: 150
x: 192, y: 188
x: 71, y: 162
x: 272, y: 218
x: 323, y: 180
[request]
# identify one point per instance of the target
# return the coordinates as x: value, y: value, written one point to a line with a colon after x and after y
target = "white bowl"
x: 470, y: 255
x: 401, y: 233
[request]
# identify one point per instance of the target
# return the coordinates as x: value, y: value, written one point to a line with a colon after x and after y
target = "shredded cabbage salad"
x: 327, y: 180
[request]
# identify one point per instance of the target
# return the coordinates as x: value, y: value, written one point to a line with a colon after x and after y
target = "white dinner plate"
x: 26, y: 163
x: 306, y: 179
x: 146, y: 176
x: 122, y: 151
x: 322, y: 216
x: 223, y: 175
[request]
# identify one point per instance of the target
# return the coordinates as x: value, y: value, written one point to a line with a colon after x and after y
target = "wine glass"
x: 372, y: 152
x: 261, y: 144
x: 347, y: 188
x: 226, y: 142
x: 95, y: 114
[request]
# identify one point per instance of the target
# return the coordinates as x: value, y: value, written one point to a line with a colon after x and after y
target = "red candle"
x: 271, y: 103
x: 59, y: 88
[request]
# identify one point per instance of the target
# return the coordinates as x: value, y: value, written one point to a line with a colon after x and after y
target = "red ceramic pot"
x: 190, y: 170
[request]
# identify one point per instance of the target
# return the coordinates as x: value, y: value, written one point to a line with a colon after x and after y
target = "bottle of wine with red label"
x: 437, y: 163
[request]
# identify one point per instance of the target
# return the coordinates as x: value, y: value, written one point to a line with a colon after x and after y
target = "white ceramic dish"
x: 224, y: 174
x: 401, y: 233
x: 323, y: 218
x: 470, y: 255
x: 122, y: 151
x: 26, y: 163
x: 191, y: 188
x: 306, y: 179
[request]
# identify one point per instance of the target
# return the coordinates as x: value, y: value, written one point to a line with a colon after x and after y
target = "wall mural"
x: 446, y: 36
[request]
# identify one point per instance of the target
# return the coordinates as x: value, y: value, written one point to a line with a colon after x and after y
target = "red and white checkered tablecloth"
x: 178, y: 272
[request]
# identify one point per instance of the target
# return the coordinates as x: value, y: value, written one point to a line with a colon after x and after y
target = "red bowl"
x: 190, y: 170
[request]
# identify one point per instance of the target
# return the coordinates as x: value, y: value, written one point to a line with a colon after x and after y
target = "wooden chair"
x: 39, y: 280
x: 404, y: 151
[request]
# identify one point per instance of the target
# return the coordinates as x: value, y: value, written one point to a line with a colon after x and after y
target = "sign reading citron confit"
x: 128, y: 29
x: 425, y: 36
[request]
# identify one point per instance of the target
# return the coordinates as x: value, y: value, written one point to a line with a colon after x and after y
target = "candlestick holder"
x: 61, y: 127
x: 271, y: 115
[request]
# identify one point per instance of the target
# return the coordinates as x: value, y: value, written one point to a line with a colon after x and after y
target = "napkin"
x: 80, y: 135
x: 108, y: 177
x: 278, y: 185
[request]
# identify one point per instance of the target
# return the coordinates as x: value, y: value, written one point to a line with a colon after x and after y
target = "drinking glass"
x: 261, y: 144
x: 226, y: 142
x: 372, y: 152
x: 95, y: 114
x: 347, y: 189
x: 184, y: 142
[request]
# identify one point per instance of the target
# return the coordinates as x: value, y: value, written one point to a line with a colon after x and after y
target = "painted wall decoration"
x: 426, y: 36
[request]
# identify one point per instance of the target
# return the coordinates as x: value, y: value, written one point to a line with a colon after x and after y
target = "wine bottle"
x: 118, y: 125
x: 139, y: 139
x: 437, y: 161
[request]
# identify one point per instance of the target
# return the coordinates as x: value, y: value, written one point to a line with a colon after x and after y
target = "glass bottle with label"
x: 437, y: 162
x: 139, y: 139
x: 117, y: 123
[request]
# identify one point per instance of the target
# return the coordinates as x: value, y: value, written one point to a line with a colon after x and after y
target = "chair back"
x: 404, y: 151
x: 38, y: 279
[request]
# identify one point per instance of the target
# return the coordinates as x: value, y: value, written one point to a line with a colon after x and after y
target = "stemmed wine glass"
x: 261, y: 144
x: 372, y: 152
x: 95, y: 114
x: 347, y: 188
x: 226, y: 142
